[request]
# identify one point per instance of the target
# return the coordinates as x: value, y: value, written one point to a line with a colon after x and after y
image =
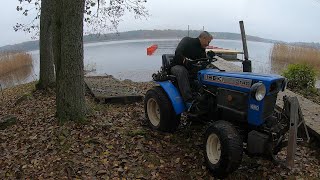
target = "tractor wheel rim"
x: 213, y: 148
x: 153, y: 112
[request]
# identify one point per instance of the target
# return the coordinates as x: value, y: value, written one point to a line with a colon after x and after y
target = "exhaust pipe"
x: 246, y: 64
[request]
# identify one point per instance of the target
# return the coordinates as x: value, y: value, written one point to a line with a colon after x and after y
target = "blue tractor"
x: 239, y: 108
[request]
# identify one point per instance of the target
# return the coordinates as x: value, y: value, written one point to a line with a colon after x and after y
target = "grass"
x: 282, y: 55
x: 13, y: 61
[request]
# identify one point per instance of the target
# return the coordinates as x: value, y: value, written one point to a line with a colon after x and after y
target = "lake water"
x: 129, y: 60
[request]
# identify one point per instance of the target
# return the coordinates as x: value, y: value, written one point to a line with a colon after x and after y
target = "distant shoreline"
x: 137, y: 35
x: 150, y: 34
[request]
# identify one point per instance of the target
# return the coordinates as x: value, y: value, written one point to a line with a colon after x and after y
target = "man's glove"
x: 187, y: 63
x: 211, y: 54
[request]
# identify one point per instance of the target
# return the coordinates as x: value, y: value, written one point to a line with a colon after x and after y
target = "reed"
x: 282, y: 55
x: 13, y: 61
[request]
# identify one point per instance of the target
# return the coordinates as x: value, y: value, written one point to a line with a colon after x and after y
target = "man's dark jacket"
x: 188, y: 48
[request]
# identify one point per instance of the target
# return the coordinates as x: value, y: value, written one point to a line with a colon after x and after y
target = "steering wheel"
x: 198, y: 60
x: 210, y: 57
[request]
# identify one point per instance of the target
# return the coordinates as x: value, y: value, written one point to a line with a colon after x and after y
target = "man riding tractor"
x: 182, y: 66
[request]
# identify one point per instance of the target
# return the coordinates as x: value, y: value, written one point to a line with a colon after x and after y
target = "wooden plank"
x: 224, y: 51
x: 227, y: 66
x: 107, y: 89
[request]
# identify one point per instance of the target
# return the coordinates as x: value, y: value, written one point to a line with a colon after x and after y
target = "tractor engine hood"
x: 241, y: 81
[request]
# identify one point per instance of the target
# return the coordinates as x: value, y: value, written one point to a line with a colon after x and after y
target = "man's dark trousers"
x: 182, y: 75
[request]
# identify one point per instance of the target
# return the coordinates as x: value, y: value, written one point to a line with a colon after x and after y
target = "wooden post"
x: 292, y: 142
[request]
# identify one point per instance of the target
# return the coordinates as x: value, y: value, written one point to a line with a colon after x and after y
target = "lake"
x: 129, y: 60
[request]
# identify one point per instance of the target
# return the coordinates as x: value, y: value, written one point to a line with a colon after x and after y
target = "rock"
x: 21, y: 99
x: 7, y: 121
x: 120, y: 169
x: 177, y: 160
x: 101, y: 172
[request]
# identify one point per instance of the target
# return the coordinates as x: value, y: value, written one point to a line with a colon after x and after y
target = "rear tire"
x: 223, y: 149
x: 159, y: 111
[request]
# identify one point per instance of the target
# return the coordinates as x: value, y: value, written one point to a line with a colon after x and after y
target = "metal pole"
x: 246, y: 63
x: 188, y: 30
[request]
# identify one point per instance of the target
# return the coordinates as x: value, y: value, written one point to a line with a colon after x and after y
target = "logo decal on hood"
x: 246, y: 83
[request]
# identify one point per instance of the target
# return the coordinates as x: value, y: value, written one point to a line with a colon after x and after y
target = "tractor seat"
x: 166, y: 65
x: 166, y: 62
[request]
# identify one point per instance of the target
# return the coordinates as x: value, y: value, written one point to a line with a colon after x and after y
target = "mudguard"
x: 174, y: 95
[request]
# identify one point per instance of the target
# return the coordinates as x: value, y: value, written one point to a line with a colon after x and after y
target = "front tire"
x: 223, y: 149
x: 159, y: 111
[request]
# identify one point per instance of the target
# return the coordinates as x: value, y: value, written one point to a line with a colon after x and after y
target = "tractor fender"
x: 174, y: 96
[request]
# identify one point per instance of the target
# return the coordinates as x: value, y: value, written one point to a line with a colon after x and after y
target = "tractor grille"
x: 268, y: 106
x: 237, y: 102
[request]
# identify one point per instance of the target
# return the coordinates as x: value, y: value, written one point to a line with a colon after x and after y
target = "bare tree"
x: 28, y: 7
x: 100, y: 16
x: 68, y: 54
x: 67, y: 43
x: 47, y: 74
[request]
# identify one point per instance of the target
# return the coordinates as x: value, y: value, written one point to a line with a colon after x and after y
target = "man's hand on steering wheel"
x: 196, y: 60
x: 211, y: 54
x: 188, y: 62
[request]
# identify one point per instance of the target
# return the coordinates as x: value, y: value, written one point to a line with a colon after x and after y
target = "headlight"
x: 258, y: 91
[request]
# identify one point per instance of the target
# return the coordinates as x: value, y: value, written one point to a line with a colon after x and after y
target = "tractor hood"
x: 239, y: 80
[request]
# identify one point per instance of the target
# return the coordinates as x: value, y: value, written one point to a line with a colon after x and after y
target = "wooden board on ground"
x: 310, y: 110
x: 107, y: 89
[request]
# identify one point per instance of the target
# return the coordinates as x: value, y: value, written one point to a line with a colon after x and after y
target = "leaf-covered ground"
x: 115, y: 143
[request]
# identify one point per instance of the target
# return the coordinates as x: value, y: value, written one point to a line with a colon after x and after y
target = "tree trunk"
x: 68, y: 54
x: 47, y: 77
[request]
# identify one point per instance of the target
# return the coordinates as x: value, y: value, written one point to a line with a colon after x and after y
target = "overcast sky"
x: 286, y: 20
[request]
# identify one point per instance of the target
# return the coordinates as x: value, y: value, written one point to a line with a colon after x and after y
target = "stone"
x: 101, y: 172
x: 7, y: 121
x: 21, y: 99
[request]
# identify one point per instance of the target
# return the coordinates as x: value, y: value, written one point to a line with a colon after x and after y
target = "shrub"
x: 301, y: 77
